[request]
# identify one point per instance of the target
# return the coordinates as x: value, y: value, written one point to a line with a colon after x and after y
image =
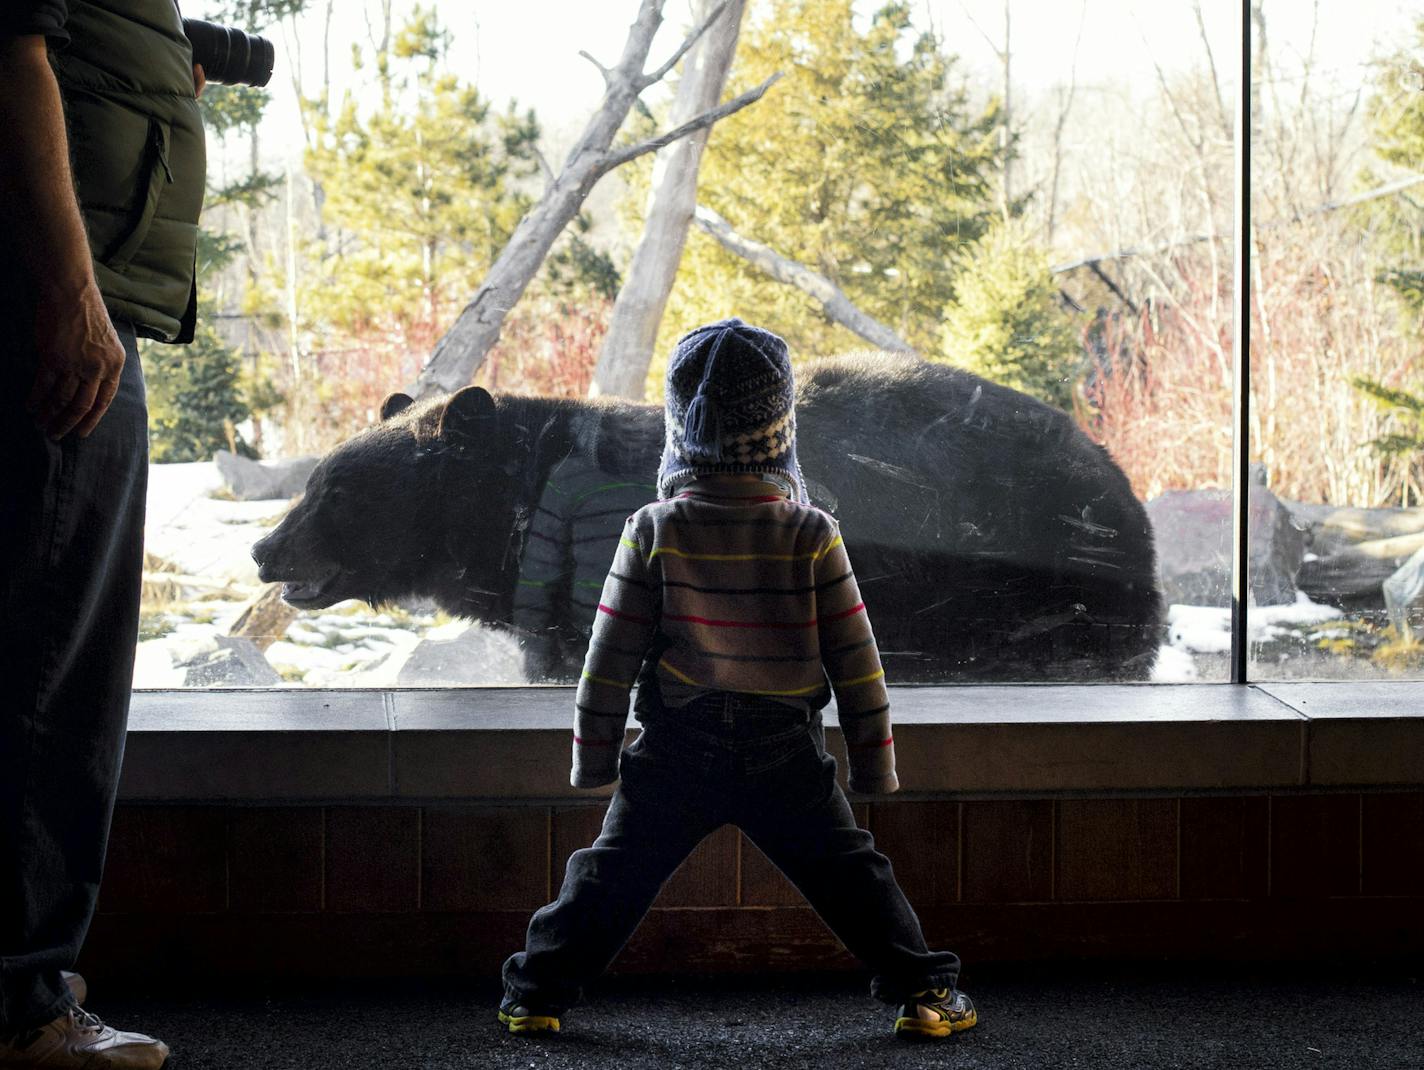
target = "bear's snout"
x: 264, y: 553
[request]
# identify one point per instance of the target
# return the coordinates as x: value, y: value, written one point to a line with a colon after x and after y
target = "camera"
x: 228, y: 55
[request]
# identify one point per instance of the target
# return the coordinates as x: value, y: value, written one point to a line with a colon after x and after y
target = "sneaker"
x: 77, y: 1040
x: 78, y: 988
x: 522, y: 1019
x: 936, y: 1012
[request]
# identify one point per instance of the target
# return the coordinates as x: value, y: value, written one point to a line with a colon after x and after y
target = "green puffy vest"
x: 136, y: 143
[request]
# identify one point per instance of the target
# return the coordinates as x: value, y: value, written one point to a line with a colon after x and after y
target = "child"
x: 731, y: 600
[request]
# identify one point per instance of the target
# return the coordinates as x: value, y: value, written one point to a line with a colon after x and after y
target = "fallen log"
x: 1355, y: 575
x: 265, y: 619
x: 1333, y: 526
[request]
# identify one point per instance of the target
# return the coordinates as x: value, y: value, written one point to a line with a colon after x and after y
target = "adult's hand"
x: 80, y: 361
x: 199, y: 79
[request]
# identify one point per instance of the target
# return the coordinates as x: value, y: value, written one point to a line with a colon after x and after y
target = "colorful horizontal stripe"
x: 710, y: 623
x: 602, y: 608
x: 674, y: 551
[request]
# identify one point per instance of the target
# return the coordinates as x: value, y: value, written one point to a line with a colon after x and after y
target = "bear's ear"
x: 469, y: 414
x: 394, y: 405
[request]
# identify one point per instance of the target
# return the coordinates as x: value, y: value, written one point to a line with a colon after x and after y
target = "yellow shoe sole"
x: 530, y: 1023
x: 916, y: 1027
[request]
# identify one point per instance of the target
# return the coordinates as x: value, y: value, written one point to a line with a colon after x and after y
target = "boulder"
x: 227, y: 661
x: 250, y: 480
x: 1192, y: 529
x: 474, y: 655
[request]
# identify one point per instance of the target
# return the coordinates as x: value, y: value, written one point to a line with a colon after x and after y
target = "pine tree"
x: 422, y: 193
x: 1396, y: 226
x: 196, y: 393
x: 195, y: 399
x: 864, y: 162
x: 1005, y: 321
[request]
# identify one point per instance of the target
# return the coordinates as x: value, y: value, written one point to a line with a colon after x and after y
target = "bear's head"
x: 428, y: 503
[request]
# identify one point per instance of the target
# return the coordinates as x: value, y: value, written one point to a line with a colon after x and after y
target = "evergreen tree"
x: 864, y: 162
x: 195, y: 398
x: 422, y: 193
x: 1005, y: 321
x: 196, y: 393
x: 1396, y: 226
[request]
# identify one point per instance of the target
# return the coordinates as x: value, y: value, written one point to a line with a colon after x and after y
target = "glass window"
x: 1337, y: 542
x: 1037, y: 217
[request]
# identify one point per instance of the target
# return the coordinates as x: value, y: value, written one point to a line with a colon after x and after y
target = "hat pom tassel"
x: 699, y: 433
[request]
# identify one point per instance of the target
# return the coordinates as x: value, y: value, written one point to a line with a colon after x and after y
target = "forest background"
x: 1070, y: 237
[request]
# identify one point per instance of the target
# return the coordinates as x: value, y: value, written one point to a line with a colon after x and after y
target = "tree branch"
x: 832, y: 298
x: 463, y: 348
x: 607, y: 74
x: 1388, y: 189
x: 618, y: 157
x: 544, y: 168
x: 691, y: 39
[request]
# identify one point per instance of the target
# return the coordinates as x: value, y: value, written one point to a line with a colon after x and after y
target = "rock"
x: 1192, y: 530
x: 249, y: 480
x: 476, y: 655
x: 227, y: 661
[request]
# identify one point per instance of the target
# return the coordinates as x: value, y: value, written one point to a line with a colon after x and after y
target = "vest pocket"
x: 158, y: 175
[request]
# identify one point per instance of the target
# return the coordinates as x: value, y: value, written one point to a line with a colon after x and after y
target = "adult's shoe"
x: 77, y: 1040
x: 78, y: 987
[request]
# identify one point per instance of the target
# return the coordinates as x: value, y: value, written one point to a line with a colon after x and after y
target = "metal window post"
x: 1241, y: 358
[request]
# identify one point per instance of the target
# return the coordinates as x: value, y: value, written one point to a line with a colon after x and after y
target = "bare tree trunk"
x: 622, y: 367
x: 833, y: 299
x: 1005, y: 131
x: 1064, y: 109
x: 462, y: 350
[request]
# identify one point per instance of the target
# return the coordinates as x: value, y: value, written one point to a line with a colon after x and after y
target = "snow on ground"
x: 199, y: 534
x: 191, y: 533
x: 1207, y: 629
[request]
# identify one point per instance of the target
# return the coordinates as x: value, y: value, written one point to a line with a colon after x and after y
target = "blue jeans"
x: 71, y: 534
x: 725, y: 759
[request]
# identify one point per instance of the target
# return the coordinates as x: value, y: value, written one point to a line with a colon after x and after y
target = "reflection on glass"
x: 1036, y: 487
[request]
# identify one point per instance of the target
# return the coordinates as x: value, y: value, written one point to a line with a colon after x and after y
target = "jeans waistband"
x: 731, y: 722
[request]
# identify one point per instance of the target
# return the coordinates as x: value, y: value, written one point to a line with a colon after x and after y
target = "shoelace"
x: 90, y: 1023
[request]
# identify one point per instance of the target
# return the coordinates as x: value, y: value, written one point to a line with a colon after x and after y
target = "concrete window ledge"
x: 511, y: 745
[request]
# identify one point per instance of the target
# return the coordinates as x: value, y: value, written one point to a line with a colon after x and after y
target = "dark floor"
x: 1230, y: 1019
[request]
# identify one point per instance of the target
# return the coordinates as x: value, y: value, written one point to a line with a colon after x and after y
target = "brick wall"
x: 382, y: 890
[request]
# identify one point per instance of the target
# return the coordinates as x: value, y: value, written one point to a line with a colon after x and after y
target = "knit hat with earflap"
x: 731, y: 407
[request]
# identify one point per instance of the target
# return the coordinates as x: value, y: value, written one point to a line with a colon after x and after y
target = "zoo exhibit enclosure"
x: 376, y: 829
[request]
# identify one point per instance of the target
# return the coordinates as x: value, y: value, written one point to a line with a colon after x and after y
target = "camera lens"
x: 228, y: 55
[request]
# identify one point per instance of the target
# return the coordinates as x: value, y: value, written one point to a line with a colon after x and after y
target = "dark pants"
x: 71, y: 534
x: 723, y: 759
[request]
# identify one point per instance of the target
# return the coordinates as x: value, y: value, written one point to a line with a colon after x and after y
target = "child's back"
x: 732, y: 605
x: 735, y: 588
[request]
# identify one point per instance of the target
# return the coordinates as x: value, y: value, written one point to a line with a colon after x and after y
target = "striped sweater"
x: 734, y: 587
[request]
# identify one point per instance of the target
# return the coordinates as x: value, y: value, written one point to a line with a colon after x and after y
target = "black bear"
x: 993, y: 540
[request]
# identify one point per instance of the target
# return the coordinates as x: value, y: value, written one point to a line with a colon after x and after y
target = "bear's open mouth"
x: 313, y: 593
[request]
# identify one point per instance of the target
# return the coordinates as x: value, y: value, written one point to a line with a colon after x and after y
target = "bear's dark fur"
x: 992, y: 539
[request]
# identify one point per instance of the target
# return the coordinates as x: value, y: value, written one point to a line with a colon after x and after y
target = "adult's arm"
x: 79, y: 354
